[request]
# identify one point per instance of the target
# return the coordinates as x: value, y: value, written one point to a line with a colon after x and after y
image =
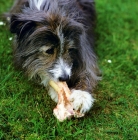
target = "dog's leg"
x: 81, y: 99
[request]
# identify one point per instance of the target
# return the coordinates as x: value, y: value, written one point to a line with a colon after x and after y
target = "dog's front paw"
x: 82, y: 101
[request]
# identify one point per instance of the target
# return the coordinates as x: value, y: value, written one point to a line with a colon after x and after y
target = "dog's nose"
x: 64, y: 78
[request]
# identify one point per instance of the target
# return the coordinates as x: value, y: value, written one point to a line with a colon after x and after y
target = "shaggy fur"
x: 54, y: 40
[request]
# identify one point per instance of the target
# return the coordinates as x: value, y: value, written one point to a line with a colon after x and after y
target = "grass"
x: 26, y: 109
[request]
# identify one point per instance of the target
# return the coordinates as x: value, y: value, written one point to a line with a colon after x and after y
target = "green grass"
x: 26, y: 109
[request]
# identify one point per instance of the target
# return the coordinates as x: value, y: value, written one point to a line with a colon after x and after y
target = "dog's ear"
x: 85, y: 1
x: 87, y: 5
x: 21, y: 26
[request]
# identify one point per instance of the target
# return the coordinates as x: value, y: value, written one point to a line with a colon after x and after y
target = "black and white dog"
x: 54, y: 40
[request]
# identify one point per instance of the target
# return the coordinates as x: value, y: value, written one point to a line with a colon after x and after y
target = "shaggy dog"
x: 54, y: 41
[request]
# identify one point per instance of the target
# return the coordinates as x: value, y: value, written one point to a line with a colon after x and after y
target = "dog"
x: 54, y: 39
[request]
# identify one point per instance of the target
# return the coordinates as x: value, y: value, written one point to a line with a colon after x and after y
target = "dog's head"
x: 53, y: 41
x: 47, y: 42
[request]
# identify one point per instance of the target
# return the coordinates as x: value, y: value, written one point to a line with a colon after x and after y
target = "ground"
x: 26, y: 109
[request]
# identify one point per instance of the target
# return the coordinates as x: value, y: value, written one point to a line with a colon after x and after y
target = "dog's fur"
x: 54, y: 40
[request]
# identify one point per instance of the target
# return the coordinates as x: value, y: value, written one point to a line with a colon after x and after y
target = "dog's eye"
x: 50, y: 51
x: 70, y: 50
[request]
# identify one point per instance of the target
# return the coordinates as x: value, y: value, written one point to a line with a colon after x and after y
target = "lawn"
x: 26, y: 109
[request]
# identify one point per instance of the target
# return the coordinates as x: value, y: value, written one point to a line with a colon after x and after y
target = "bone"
x: 64, y: 109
